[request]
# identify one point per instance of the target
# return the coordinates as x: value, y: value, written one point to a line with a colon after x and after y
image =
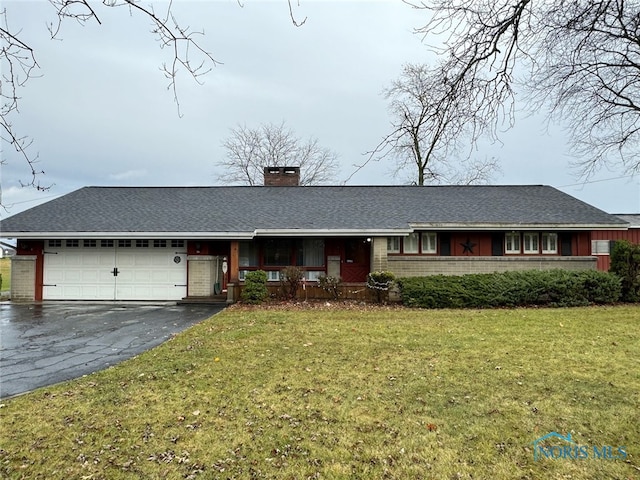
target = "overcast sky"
x: 101, y: 114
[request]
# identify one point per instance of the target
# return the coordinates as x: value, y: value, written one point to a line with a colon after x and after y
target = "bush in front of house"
x: 290, y: 281
x: 330, y: 284
x: 255, y: 287
x: 625, y: 263
x: 380, y: 282
x: 555, y: 288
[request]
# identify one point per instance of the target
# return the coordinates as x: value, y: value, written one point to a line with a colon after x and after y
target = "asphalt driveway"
x: 44, y: 344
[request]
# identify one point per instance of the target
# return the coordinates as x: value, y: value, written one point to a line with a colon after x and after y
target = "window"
x: 277, y: 253
x: 310, y: 252
x: 273, y: 276
x: 549, y: 243
x: 90, y: 243
x: 600, y: 247
x: 142, y: 243
x: 159, y: 244
x: 512, y: 242
x: 393, y: 244
x: 313, y: 275
x: 72, y: 243
x: 55, y: 243
x: 248, y: 254
x: 106, y: 243
x: 124, y: 243
x: 177, y: 243
x: 530, y: 243
x: 410, y: 243
x: 429, y: 242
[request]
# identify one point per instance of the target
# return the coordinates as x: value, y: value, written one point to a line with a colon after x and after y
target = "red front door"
x: 356, y: 260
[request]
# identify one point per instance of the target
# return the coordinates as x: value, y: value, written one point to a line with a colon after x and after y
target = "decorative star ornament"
x: 467, y: 247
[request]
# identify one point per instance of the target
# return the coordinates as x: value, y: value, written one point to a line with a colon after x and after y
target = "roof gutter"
x: 324, y: 232
x: 133, y: 235
x: 517, y: 226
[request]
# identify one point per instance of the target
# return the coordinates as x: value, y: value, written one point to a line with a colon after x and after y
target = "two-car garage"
x: 99, y: 269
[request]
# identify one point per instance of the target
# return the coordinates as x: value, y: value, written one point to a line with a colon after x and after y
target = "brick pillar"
x: 200, y: 282
x: 23, y: 278
x: 379, y: 254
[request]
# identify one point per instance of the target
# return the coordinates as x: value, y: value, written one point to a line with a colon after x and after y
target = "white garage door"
x: 115, y: 270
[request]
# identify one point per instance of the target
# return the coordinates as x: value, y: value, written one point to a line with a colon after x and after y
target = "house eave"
x: 515, y: 226
x: 325, y: 232
x: 132, y: 235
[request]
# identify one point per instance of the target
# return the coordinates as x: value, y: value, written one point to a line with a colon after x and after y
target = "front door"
x: 356, y: 264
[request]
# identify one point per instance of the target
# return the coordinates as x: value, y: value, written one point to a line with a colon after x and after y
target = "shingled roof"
x: 245, y: 212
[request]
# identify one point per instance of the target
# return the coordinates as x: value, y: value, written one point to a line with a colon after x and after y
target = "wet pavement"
x: 44, y: 344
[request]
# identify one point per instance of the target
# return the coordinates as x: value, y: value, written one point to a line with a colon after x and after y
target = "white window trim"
x: 273, y: 275
x: 528, y: 251
x: 544, y: 243
x: 417, y: 244
x: 395, y: 241
x: 506, y: 244
x: 429, y: 242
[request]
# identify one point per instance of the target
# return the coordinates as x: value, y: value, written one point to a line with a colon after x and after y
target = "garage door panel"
x: 143, y: 274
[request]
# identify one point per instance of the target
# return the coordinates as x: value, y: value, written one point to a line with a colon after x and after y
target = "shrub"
x: 290, y: 281
x: 559, y: 288
x: 255, y: 287
x: 625, y: 263
x: 330, y: 284
x: 380, y: 282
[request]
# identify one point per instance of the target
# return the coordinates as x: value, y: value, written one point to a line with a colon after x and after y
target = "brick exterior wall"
x: 201, y: 275
x: 23, y: 278
x: 415, y: 266
x: 379, y: 254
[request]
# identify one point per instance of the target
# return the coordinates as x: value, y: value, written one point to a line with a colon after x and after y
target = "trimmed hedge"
x: 554, y: 288
x: 255, y: 287
x: 625, y: 262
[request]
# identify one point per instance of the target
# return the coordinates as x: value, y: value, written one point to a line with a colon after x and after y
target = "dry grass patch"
x: 346, y: 393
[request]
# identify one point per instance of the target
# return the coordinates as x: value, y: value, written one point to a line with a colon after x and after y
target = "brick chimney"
x: 281, y: 176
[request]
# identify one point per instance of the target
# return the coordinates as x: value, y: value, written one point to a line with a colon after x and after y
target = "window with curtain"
x: 549, y: 243
x: 311, y: 252
x: 410, y: 243
x: 530, y: 242
x: 248, y: 254
x: 393, y: 244
x: 429, y: 242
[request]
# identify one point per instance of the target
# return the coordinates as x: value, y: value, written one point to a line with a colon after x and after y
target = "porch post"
x: 234, y: 261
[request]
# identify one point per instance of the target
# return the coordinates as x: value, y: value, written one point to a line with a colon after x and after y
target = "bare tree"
x: 580, y: 61
x: 427, y: 128
x: 249, y: 150
x: 18, y: 61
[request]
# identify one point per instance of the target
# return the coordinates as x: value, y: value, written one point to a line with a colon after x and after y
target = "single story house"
x: 172, y: 243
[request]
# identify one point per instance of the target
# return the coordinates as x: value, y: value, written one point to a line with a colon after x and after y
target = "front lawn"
x: 356, y: 392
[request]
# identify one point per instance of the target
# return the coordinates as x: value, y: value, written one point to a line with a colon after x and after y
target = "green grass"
x: 5, y: 271
x: 346, y: 393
